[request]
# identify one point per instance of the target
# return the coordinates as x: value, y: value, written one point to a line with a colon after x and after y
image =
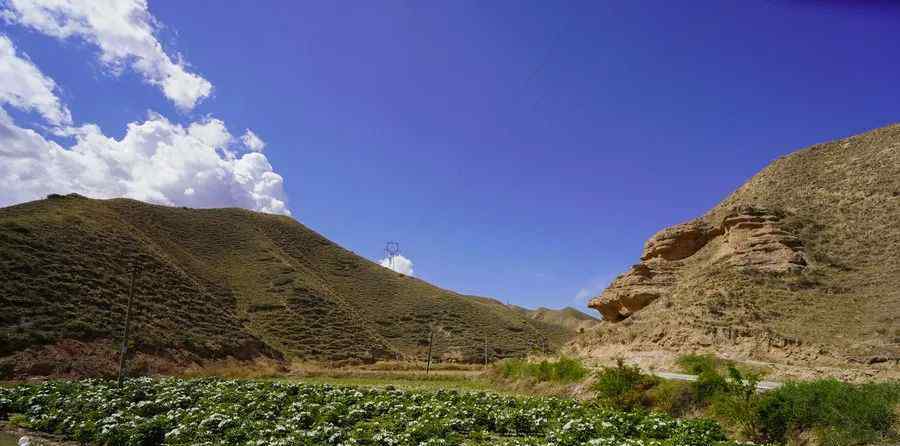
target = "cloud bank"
x: 123, y: 30
x: 401, y: 265
x: 200, y: 164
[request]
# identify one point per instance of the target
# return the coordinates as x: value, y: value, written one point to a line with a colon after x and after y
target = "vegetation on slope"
x: 226, y: 282
x: 841, y: 200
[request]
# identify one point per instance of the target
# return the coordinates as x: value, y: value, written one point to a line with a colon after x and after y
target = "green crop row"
x: 230, y: 412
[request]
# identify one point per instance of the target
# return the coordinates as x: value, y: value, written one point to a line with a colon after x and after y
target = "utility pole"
x: 485, y: 352
x: 430, y: 342
x: 124, y: 351
x: 391, y: 250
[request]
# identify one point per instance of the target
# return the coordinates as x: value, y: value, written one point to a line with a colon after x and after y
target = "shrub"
x: 709, y: 384
x: 845, y: 414
x: 623, y: 386
x: 564, y: 369
x: 696, y: 364
x: 675, y: 398
x: 738, y: 402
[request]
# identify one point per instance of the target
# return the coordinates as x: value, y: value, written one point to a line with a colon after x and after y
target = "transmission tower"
x: 391, y: 250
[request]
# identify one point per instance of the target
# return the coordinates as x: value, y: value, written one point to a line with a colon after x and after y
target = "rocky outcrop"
x: 747, y: 238
x: 756, y: 240
x: 679, y: 241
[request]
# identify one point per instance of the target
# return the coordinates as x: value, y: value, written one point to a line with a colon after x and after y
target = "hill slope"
x: 570, y: 318
x: 800, y: 265
x: 223, y: 282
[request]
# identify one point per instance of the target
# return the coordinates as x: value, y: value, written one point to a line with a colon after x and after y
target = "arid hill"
x: 800, y: 265
x: 568, y: 317
x: 215, y: 283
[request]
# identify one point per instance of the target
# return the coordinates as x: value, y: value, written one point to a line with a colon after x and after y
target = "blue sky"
x: 519, y: 150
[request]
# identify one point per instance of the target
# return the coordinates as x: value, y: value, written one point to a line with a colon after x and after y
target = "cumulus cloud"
x: 157, y: 160
x: 400, y: 264
x: 253, y: 142
x: 124, y: 31
x: 22, y: 85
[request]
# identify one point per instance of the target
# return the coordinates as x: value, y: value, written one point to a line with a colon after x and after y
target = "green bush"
x: 696, y: 364
x: 710, y: 381
x: 737, y: 403
x: 675, y: 398
x: 844, y: 414
x: 623, y: 386
x: 564, y: 370
x: 709, y: 384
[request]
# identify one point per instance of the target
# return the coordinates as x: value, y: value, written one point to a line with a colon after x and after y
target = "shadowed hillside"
x: 222, y: 282
x: 800, y: 265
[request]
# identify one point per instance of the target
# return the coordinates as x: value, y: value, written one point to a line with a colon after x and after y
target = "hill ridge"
x: 216, y: 283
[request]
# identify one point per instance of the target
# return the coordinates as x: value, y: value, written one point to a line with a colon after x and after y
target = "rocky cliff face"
x: 747, y: 238
x: 799, y: 266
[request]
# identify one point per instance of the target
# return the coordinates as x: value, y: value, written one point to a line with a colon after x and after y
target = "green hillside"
x: 214, y: 283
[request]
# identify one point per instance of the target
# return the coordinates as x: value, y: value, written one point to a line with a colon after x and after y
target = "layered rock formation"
x: 747, y: 238
x: 797, y: 267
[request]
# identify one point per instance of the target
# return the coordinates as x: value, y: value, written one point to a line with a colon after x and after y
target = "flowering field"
x: 219, y: 412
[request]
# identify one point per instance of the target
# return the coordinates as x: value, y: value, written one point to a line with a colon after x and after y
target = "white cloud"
x: 156, y: 161
x: 124, y: 30
x: 400, y: 264
x: 22, y: 85
x: 253, y: 142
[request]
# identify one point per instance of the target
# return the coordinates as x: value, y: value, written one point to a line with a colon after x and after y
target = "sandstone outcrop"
x: 747, y: 238
x: 796, y: 267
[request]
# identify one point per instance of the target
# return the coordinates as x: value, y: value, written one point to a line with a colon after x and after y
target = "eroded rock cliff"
x: 747, y: 238
x: 798, y: 266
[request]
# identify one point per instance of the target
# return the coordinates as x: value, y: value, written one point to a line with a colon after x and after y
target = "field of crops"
x: 228, y: 412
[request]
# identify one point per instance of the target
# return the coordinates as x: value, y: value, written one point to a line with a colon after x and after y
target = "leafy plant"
x: 696, y: 364
x: 675, y: 398
x: 738, y: 402
x: 173, y: 412
x: 623, y: 386
x: 844, y: 414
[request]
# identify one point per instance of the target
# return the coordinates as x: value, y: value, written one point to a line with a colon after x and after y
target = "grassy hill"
x: 799, y: 265
x: 214, y: 283
x: 572, y: 319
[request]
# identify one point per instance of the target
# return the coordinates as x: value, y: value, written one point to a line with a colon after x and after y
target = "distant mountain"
x: 572, y: 319
x: 215, y: 283
x: 800, y: 265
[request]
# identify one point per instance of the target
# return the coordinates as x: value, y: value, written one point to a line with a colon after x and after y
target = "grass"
x: 219, y: 283
x: 559, y: 370
x: 697, y: 363
x: 399, y: 374
x: 412, y: 382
